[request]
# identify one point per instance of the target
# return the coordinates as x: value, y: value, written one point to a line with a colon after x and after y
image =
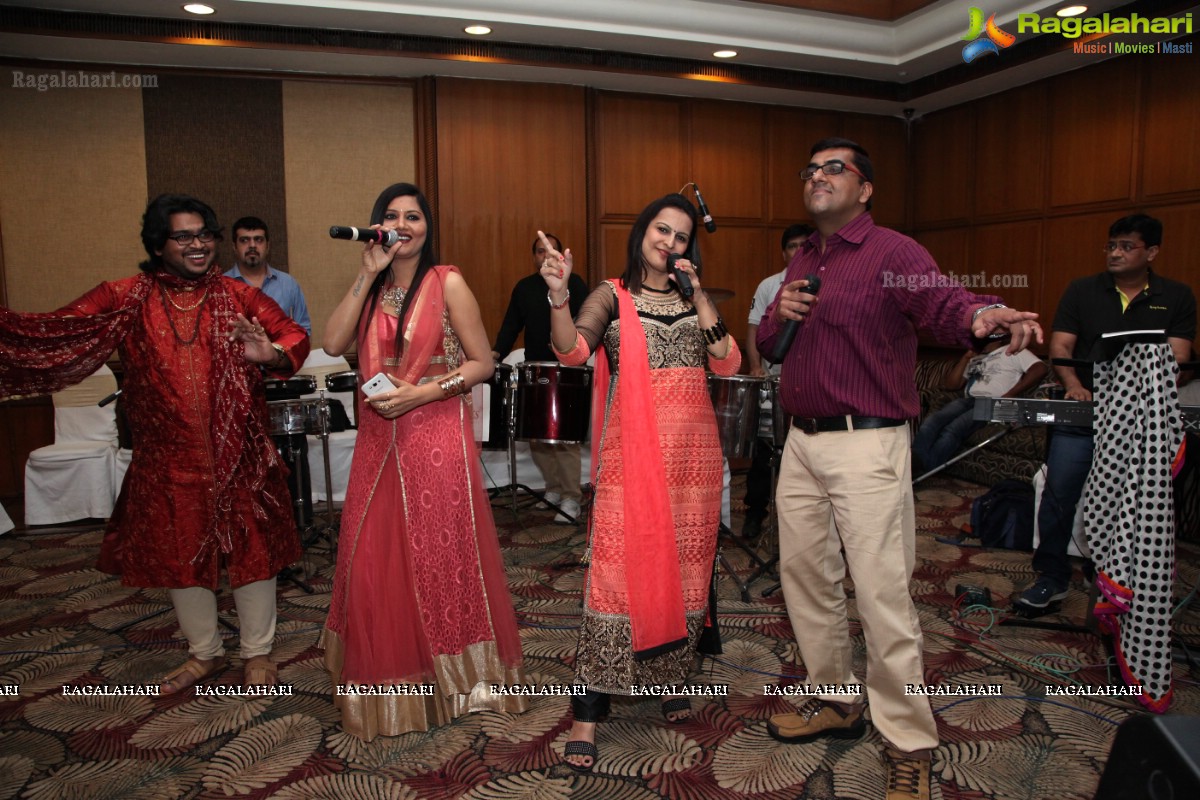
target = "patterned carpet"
x: 64, y: 623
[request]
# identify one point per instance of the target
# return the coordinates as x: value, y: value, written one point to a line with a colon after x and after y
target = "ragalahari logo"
x: 995, y: 40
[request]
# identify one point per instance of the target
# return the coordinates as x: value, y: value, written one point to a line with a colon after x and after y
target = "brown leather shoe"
x: 815, y: 719
x: 908, y: 775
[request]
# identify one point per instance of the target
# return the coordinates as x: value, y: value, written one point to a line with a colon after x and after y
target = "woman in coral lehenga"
x: 658, y: 484
x: 419, y: 595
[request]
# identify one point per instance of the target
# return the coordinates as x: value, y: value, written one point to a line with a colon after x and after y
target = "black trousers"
x: 592, y: 706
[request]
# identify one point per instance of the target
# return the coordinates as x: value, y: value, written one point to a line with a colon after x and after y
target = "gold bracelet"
x: 280, y: 353
x: 452, y: 386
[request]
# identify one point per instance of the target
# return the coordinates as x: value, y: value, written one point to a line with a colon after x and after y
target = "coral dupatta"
x: 656, y: 612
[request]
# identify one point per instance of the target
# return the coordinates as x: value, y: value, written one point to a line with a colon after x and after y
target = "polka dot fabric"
x: 1129, y: 511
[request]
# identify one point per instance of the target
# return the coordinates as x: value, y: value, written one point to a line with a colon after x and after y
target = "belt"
x: 846, y: 422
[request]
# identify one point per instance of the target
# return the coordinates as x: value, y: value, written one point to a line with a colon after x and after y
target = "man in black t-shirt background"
x: 1128, y: 296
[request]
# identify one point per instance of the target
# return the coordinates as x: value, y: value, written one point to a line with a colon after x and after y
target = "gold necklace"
x: 171, y: 319
x: 192, y: 307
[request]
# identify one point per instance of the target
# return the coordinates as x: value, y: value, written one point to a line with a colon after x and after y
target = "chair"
x: 73, y: 478
x: 319, y: 364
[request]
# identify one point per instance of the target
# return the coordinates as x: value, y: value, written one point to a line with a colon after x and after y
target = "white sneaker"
x: 550, y: 497
x: 569, y: 514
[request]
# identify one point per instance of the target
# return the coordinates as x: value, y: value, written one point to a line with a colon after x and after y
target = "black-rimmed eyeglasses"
x: 833, y: 167
x: 183, y: 238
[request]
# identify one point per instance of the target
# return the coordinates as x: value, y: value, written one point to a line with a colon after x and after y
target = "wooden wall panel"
x: 791, y: 133
x: 511, y: 161
x: 885, y: 139
x: 1092, y: 118
x: 734, y: 258
x: 1010, y: 152
x: 641, y: 151
x: 1072, y: 250
x: 994, y: 258
x: 1178, y: 257
x: 727, y: 148
x: 614, y: 236
x: 943, y: 166
x: 1170, y: 147
x: 949, y: 247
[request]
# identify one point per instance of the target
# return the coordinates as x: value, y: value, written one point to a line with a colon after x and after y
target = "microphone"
x: 705, y: 217
x: 109, y: 399
x: 385, y: 238
x: 681, y: 278
x: 783, y: 342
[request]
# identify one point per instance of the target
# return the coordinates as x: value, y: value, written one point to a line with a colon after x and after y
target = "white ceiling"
x: 913, y: 47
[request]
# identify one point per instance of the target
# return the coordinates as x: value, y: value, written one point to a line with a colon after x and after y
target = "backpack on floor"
x: 1003, y: 516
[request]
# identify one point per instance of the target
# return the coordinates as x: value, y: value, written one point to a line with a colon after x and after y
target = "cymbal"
x: 720, y: 295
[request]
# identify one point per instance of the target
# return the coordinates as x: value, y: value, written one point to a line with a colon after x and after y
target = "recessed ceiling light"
x: 1071, y: 11
x: 477, y: 30
x: 199, y: 8
x: 725, y: 53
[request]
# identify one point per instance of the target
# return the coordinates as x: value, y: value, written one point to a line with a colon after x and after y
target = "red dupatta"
x: 656, y: 612
x: 422, y: 332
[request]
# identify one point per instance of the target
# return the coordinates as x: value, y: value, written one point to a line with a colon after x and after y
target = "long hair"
x: 634, y: 264
x: 156, y: 224
x: 427, y: 261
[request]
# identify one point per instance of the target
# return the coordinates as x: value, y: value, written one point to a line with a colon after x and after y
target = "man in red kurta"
x: 206, y: 487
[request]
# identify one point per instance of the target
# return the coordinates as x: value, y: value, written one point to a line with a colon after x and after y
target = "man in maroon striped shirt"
x: 845, y: 483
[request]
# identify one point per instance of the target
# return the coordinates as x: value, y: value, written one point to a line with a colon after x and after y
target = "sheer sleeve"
x: 598, y: 312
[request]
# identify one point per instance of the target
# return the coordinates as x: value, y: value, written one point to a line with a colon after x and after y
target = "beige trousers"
x: 850, y: 492
x: 196, y: 608
x: 560, y: 465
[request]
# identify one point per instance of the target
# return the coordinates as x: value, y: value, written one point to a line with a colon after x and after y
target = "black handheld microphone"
x: 109, y: 399
x: 705, y: 217
x: 681, y: 278
x: 783, y: 342
x: 385, y: 238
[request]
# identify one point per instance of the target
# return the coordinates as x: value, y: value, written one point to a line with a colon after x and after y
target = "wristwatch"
x: 978, y: 311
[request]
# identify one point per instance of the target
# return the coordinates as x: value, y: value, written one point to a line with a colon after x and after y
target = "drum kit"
x: 292, y: 417
x: 538, y: 401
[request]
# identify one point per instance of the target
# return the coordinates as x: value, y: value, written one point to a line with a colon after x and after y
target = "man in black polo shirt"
x: 560, y: 464
x: 1129, y: 296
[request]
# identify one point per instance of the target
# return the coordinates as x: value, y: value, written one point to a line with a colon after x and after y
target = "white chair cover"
x: 6, y: 523
x: 320, y: 364
x: 74, y: 478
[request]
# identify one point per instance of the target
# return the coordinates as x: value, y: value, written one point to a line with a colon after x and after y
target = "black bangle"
x: 716, y: 333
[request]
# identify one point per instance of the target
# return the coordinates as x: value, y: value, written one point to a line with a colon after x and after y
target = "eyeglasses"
x: 1124, y: 247
x: 833, y: 167
x: 183, y: 238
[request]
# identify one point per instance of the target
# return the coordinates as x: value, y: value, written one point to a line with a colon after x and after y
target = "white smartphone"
x: 377, y: 385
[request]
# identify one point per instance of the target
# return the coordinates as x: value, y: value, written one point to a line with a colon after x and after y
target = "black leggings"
x: 592, y: 706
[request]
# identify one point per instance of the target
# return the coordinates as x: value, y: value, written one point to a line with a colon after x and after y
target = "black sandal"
x: 579, y: 747
x: 674, y: 706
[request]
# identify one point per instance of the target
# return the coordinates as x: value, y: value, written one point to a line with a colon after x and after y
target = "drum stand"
x: 766, y: 567
x: 294, y: 456
x: 302, y: 490
x: 513, y: 487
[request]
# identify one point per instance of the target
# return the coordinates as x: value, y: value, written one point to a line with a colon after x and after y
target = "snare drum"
x: 553, y: 402
x: 491, y: 409
x: 291, y: 389
x: 342, y: 381
x: 735, y: 401
x: 290, y: 417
